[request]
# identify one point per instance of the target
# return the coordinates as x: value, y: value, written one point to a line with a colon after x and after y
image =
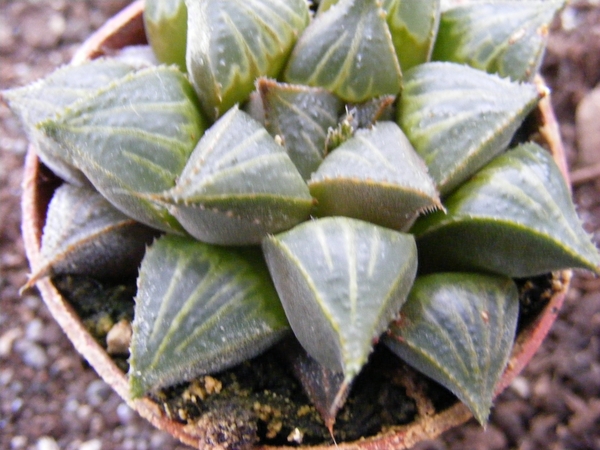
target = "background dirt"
x: 50, y: 399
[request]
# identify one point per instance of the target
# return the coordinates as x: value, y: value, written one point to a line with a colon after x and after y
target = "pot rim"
x: 126, y: 28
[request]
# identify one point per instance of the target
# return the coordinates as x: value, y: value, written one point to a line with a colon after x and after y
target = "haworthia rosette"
x: 233, y: 42
x: 458, y: 118
x: 503, y: 37
x: 238, y: 185
x: 517, y: 216
x: 341, y: 281
x: 375, y: 176
x: 199, y: 309
x: 129, y: 149
x: 458, y: 328
x: 347, y: 50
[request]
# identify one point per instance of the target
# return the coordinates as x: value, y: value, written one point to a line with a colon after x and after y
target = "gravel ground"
x: 50, y: 399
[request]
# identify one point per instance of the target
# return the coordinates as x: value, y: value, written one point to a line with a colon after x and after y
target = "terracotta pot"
x: 126, y: 28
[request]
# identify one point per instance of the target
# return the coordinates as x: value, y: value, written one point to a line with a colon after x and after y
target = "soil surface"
x: 50, y: 399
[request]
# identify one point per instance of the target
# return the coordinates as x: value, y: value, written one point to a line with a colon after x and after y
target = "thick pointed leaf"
x: 128, y: 149
x: 414, y: 26
x: 238, y: 185
x: 327, y: 390
x: 347, y: 50
x: 503, y: 37
x: 459, y: 118
x: 199, y: 309
x: 165, y: 23
x: 233, y: 42
x: 341, y: 281
x: 517, y: 216
x: 458, y: 329
x: 43, y: 99
x: 376, y: 176
x: 301, y: 116
x: 86, y: 235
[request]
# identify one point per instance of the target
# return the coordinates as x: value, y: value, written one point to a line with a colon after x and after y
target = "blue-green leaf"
x: 238, y: 185
x: 517, y: 217
x: 413, y: 25
x: 503, y: 37
x: 199, y: 309
x: 233, y: 42
x: 375, y: 176
x: 348, y: 50
x: 86, y: 235
x: 128, y: 149
x: 459, y: 118
x: 458, y: 329
x: 341, y: 281
x: 45, y: 98
x: 165, y: 23
x: 301, y: 116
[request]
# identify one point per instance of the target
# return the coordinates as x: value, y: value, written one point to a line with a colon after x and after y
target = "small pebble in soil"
x: 7, y: 340
x: 125, y: 413
x: 46, y: 443
x: 94, y: 444
x: 97, y: 392
x: 521, y: 386
x: 34, y: 330
x: 119, y: 338
x: 588, y: 133
x: 18, y: 442
x: 32, y: 354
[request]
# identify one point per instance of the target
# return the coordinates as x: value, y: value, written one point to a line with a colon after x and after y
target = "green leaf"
x: 327, y: 390
x: 376, y: 176
x: 458, y: 329
x: 347, y: 50
x: 86, y: 235
x: 516, y: 215
x: 301, y: 116
x: 504, y: 37
x: 43, y: 99
x: 238, y: 185
x: 413, y: 25
x: 341, y: 281
x: 233, y: 42
x: 165, y: 23
x: 128, y: 149
x: 459, y: 118
x: 199, y: 309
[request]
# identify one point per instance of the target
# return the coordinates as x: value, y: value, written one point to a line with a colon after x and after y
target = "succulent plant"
x: 346, y: 170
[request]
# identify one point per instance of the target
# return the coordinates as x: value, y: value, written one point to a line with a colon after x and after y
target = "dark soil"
x: 49, y: 397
